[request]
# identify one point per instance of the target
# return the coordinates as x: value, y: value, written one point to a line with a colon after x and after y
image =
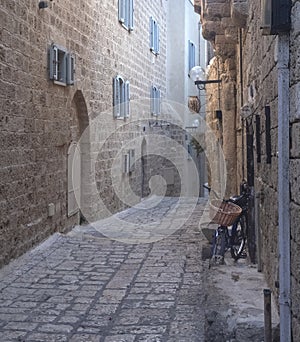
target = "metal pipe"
x: 267, y: 316
x: 257, y: 231
x: 242, y: 100
x: 283, y: 188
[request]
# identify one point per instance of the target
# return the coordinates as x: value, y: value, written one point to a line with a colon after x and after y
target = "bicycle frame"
x: 235, y: 239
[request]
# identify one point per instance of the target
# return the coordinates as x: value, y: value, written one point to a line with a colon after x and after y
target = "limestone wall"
x: 254, y: 61
x: 295, y: 163
x: 40, y: 119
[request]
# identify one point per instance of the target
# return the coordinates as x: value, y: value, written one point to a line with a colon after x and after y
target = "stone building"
x: 85, y: 126
x: 64, y: 64
x: 257, y: 59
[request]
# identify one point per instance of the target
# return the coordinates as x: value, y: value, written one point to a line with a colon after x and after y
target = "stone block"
x: 239, y: 12
x: 295, y: 102
x: 295, y: 140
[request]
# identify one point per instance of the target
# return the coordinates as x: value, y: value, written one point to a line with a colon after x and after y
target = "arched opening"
x: 79, y: 162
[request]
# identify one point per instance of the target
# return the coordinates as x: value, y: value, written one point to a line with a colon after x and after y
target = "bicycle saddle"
x: 240, y: 200
x: 236, y: 198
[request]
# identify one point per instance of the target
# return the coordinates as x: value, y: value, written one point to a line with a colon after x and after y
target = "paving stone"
x: 120, y: 338
x: 43, y: 337
x: 151, y: 338
x: 87, y: 288
x: 86, y: 338
x: 20, y: 326
x: 12, y: 335
x: 60, y: 328
x: 139, y: 329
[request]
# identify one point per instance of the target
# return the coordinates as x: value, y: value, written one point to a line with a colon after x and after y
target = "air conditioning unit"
x: 275, y: 16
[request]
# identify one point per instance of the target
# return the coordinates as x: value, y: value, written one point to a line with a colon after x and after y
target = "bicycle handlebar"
x: 206, y: 186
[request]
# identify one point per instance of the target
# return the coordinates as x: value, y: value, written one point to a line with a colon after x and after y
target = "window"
x: 154, y: 36
x: 128, y: 162
x: 61, y: 65
x: 191, y: 52
x: 121, y: 98
x: 126, y: 14
x: 155, y: 101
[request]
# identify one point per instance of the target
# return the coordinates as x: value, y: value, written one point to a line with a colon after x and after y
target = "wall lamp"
x: 197, y: 74
x: 43, y: 4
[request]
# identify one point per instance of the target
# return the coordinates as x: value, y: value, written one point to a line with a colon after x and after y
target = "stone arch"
x: 82, y: 112
x: 80, y: 136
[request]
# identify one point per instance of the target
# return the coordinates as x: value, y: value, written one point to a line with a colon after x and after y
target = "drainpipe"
x: 283, y: 188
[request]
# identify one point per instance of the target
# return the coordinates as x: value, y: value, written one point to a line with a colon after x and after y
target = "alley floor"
x: 86, y: 287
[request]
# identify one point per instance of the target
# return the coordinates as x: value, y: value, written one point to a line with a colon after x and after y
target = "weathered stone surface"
x: 256, y: 87
x: 171, y: 295
x: 239, y: 12
x: 39, y: 119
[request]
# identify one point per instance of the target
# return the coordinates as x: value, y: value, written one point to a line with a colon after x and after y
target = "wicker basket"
x: 224, y: 213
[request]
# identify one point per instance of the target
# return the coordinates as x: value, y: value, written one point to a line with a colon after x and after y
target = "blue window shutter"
x: 151, y: 29
x: 116, y: 97
x: 122, y: 97
x: 152, y: 95
x: 193, y: 56
x: 157, y: 39
x: 70, y: 69
x: 191, y: 52
x: 53, y: 62
x: 126, y: 99
x: 158, y: 96
x: 130, y: 18
x: 154, y: 36
x: 122, y: 7
x: 63, y: 67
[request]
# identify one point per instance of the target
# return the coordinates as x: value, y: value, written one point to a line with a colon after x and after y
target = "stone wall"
x: 40, y: 119
x: 295, y: 163
x: 254, y: 61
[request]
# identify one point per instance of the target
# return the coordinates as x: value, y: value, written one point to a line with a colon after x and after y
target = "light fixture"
x: 43, y: 4
x: 197, y: 74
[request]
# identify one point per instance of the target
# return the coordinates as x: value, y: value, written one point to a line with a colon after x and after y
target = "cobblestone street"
x: 85, y: 287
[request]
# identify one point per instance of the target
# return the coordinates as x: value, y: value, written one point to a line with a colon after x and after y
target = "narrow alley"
x: 83, y: 286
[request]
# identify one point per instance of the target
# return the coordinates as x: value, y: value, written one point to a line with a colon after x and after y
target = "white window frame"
x: 154, y: 37
x: 61, y: 65
x: 121, y: 98
x: 191, y: 55
x: 155, y: 100
x: 125, y: 8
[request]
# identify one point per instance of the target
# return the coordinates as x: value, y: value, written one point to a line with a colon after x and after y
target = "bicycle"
x: 229, y: 213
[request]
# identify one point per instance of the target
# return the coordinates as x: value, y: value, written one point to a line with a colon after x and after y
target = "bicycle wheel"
x: 219, y: 245
x: 238, y: 239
